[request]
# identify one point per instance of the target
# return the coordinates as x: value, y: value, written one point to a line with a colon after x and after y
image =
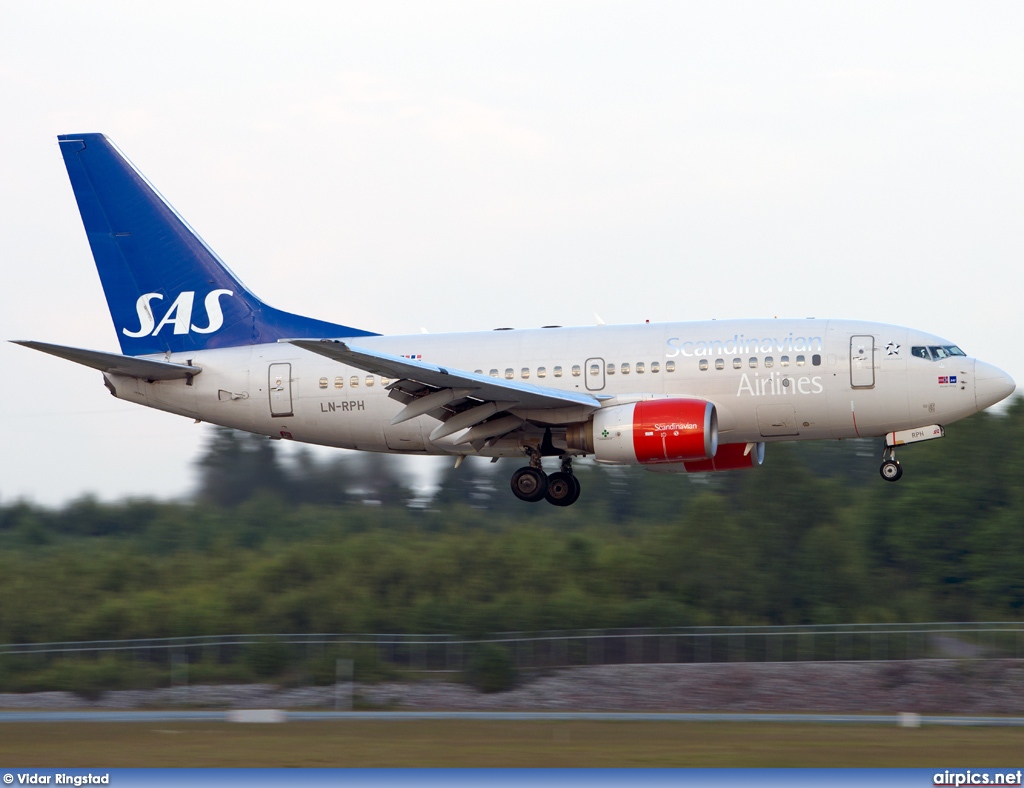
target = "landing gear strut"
x: 891, y: 470
x: 560, y: 488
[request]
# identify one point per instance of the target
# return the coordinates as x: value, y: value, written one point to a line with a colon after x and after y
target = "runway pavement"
x: 510, y: 716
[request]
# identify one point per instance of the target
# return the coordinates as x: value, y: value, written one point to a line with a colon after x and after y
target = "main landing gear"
x: 560, y: 488
x: 891, y: 470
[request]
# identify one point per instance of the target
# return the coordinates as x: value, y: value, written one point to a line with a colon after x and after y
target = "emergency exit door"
x: 594, y: 372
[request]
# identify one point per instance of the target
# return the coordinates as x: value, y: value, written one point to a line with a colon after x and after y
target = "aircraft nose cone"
x: 991, y: 385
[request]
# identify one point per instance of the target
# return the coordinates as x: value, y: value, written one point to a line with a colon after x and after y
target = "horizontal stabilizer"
x: 115, y: 363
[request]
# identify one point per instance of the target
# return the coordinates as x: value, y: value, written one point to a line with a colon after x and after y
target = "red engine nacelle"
x: 730, y: 457
x: 649, y: 432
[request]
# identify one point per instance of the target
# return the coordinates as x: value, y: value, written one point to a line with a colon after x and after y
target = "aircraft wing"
x: 458, y: 398
x: 115, y: 363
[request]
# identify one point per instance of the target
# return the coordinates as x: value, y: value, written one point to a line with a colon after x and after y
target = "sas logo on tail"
x: 179, y: 315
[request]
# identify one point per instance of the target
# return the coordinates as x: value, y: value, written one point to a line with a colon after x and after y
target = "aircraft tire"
x: 529, y: 484
x: 891, y: 471
x: 563, y: 489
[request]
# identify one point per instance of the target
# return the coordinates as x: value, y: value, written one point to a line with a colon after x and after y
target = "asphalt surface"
x: 510, y: 716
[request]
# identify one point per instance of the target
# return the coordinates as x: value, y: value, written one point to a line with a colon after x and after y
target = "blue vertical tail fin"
x: 166, y: 289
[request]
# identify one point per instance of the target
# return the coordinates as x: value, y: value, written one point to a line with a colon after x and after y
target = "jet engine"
x: 649, y: 432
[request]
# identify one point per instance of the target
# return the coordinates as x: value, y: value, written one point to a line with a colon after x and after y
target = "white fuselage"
x: 769, y: 380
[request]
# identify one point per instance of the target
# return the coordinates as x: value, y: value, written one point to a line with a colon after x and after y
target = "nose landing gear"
x: 560, y: 488
x: 891, y: 470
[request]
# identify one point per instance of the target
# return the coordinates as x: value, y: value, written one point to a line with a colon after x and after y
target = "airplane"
x: 691, y: 397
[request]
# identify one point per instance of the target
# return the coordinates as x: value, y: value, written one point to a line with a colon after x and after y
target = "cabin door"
x: 280, y: 386
x: 862, y: 361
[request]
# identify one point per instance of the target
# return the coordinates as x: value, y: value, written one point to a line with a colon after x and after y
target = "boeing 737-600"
x: 684, y: 397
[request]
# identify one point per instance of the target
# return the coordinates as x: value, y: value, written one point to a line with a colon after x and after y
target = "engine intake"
x: 649, y: 432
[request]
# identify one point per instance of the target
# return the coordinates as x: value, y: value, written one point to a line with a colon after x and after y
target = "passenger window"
x: 640, y: 367
x: 783, y: 361
x: 800, y: 361
x: 369, y: 380
x: 737, y: 363
x: 655, y: 367
x: 339, y: 383
x: 493, y: 373
x: 611, y: 369
x: 478, y: 372
x: 703, y: 363
x: 509, y: 373
x: 816, y: 360
x: 575, y: 370
x: 769, y: 362
x: 719, y: 363
x: 625, y: 369
x: 670, y: 366
x: 524, y: 373
x: 595, y: 370
x: 558, y: 372
x: 323, y: 383
x: 354, y: 381
x: 385, y: 381
x: 542, y: 372
x: 753, y: 362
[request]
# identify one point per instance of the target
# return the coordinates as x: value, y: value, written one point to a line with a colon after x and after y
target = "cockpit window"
x: 936, y: 352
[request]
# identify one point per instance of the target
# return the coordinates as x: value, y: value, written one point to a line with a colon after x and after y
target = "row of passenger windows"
x: 353, y: 382
x: 594, y: 369
x: 576, y: 370
x: 670, y: 366
x: 754, y: 361
x: 557, y: 371
x: 931, y: 352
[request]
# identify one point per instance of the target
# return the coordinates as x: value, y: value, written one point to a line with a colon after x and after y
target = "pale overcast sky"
x: 461, y: 166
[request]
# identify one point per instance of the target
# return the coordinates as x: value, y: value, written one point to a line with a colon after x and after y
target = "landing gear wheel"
x: 891, y: 470
x: 529, y: 484
x: 563, y: 489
